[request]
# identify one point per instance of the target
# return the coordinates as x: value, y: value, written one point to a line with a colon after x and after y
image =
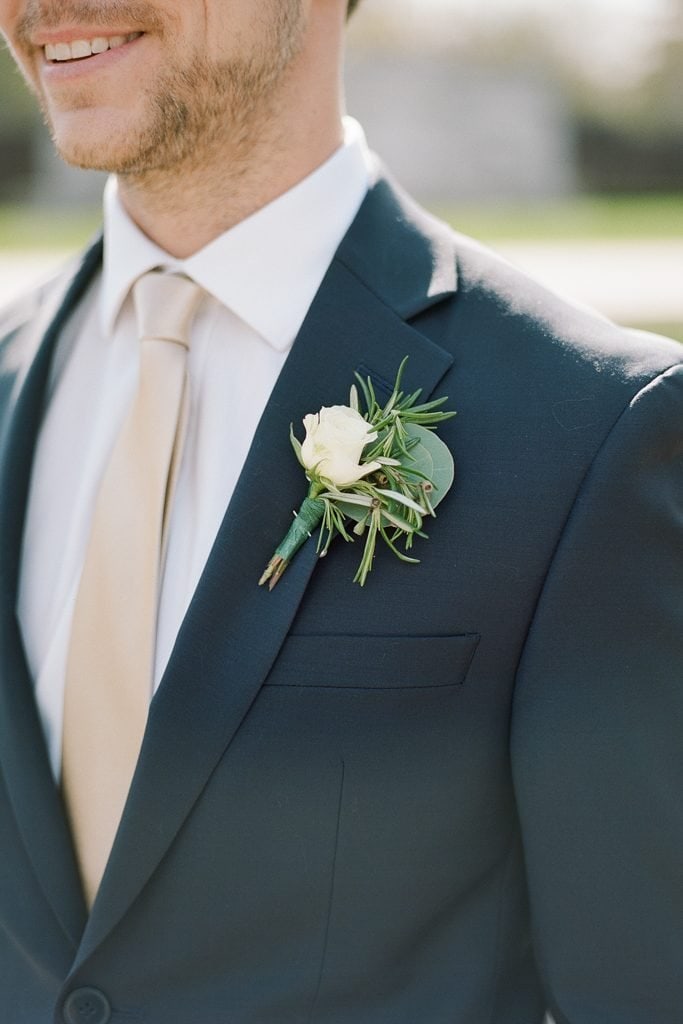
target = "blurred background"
x: 551, y: 131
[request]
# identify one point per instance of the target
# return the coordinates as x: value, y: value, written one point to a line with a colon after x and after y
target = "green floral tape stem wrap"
x: 306, y: 520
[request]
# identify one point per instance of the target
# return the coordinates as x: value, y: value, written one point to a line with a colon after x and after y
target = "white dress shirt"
x: 261, y: 277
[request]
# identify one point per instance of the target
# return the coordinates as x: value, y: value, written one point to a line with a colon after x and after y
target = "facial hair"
x: 196, y: 105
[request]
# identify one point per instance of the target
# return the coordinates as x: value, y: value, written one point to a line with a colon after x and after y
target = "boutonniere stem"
x: 375, y: 474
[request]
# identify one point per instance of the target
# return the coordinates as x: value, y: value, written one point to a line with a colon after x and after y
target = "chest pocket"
x: 374, y: 662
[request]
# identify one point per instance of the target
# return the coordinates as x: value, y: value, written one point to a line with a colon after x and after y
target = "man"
x: 451, y: 796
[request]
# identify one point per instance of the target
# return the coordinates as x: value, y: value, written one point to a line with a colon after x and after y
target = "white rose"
x: 334, y: 442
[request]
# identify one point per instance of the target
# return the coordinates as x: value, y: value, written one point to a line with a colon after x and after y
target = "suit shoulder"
x: 501, y: 306
x: 24, y: 322
x: 27, y: 306
x: 475, y: 304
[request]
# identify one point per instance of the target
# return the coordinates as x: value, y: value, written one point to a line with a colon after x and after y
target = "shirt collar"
x: 267, y: 268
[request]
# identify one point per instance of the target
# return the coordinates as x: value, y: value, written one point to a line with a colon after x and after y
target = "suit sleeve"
x: 597, y: 732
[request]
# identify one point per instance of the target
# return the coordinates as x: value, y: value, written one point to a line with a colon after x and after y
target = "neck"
x: 184, y: 208
x: 184, y: 212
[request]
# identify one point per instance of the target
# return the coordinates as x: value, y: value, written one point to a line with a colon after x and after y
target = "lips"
x: 81, y: 49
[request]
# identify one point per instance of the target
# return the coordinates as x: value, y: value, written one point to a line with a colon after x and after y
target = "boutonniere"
x: 375, y: 474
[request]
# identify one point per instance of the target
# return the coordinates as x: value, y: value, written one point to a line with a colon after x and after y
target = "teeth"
x: 81, y: 48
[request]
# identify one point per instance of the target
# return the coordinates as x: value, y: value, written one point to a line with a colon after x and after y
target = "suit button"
x: 86, y: 1006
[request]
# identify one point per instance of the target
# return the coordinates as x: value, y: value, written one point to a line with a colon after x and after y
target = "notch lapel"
x: 32, y: 791
x: 234, y: 629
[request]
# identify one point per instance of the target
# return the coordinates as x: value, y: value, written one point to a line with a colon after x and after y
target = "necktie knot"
x: 165, y: 305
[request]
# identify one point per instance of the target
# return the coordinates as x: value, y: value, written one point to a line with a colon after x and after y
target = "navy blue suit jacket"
x: 451, y: 797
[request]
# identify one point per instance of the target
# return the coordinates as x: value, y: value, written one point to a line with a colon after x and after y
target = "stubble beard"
x: 194, y: 112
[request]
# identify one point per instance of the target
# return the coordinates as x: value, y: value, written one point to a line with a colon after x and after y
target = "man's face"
x: 149, y: 85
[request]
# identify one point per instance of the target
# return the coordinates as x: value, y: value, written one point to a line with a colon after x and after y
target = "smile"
x: 81, y: 49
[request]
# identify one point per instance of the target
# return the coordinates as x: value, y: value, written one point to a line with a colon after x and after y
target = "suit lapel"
x: 23, y: 756
x: 233, y: 629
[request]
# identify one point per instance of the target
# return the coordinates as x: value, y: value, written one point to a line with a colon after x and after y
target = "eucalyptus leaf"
x: 431, y: 457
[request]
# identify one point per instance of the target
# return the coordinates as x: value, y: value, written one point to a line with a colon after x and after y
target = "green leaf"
x: 399, y: 554
x: 348, y: 499
x: 296, y: 445
x: 431, y: 457
x: 366, y: 392
x: 403, y: 499
x: 398, y: 521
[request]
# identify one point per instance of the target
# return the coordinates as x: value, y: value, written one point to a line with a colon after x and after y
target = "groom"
x: 452, y: 796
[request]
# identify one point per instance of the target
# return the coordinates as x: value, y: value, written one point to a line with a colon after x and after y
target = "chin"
x: 91, y: 147
x: 86, y: 157
x: 89, y: 159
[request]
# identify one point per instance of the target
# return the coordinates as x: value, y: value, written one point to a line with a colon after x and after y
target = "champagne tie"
x: 111, y: 653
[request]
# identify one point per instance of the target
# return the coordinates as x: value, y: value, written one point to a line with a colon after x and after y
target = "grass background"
x: 585, y: 219
x: 588, y: 218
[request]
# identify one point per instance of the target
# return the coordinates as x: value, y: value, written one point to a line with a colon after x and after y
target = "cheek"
x: 11, y: 13
x: 233, y: 27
